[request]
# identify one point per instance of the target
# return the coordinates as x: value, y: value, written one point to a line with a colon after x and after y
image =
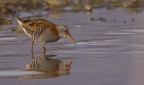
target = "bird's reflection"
x: 48, y: 66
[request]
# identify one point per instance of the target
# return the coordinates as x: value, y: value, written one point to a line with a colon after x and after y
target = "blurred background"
x: 14, y: 7
x: 10, y: 9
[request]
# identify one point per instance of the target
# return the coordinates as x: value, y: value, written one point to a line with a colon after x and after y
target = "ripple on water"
x: 136, y: 30
x: 8, y: 38
x: 16, y: 73
x: 92, y: 46
x: 119, y: 33
x: 102, y: 46
x: 126, y: 32
x: 94, y: 43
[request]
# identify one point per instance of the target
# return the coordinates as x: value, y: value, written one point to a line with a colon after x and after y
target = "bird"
x: 42, y: 31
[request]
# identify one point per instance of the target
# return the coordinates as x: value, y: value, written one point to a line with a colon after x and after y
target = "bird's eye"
x: 66, y: 32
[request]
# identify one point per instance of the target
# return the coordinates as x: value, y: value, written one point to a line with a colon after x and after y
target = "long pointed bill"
x: 70, y: 37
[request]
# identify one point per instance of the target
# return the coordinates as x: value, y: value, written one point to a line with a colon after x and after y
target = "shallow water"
x: 107, y: 53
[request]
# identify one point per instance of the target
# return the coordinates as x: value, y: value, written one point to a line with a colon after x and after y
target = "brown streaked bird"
x: 42, y: 31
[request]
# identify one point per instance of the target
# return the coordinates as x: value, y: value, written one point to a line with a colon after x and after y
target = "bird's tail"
x: 19, y: 20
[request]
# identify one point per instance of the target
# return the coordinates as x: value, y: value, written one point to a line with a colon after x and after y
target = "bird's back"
x: 40, y: 30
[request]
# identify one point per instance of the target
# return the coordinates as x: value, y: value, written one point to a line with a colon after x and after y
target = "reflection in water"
x: 49, y: 66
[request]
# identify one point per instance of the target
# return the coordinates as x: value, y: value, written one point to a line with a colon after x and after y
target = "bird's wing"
x: 37, y: 27
x: 41, y: 27
x: 27, y: 30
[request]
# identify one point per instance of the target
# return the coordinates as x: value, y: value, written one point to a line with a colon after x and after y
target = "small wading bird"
x: 42, y: 31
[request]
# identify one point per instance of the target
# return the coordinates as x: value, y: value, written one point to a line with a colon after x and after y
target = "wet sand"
x: 107, y: 53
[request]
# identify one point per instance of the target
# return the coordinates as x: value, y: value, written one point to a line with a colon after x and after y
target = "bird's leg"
x: 32, y: 43
x: 44, y: 50
x: 32, y: 55
x: 68, y: 65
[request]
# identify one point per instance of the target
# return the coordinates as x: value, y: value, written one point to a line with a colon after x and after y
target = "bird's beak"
x: 70, y: 37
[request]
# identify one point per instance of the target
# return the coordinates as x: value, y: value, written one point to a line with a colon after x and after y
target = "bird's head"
x: 63, y: 31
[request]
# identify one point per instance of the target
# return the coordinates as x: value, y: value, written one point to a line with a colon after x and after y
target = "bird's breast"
x: 47, y: 36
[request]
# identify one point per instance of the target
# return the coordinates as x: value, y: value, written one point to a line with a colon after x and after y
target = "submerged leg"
x: 44, y: 49
x: 68, y: 65
x: 69, y: 62
x: 32, y: 43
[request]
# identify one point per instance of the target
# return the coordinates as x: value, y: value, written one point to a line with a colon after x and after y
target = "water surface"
x: 108, y: 52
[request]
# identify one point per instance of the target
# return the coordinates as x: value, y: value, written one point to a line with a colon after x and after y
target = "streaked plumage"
x: 42, y: 31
